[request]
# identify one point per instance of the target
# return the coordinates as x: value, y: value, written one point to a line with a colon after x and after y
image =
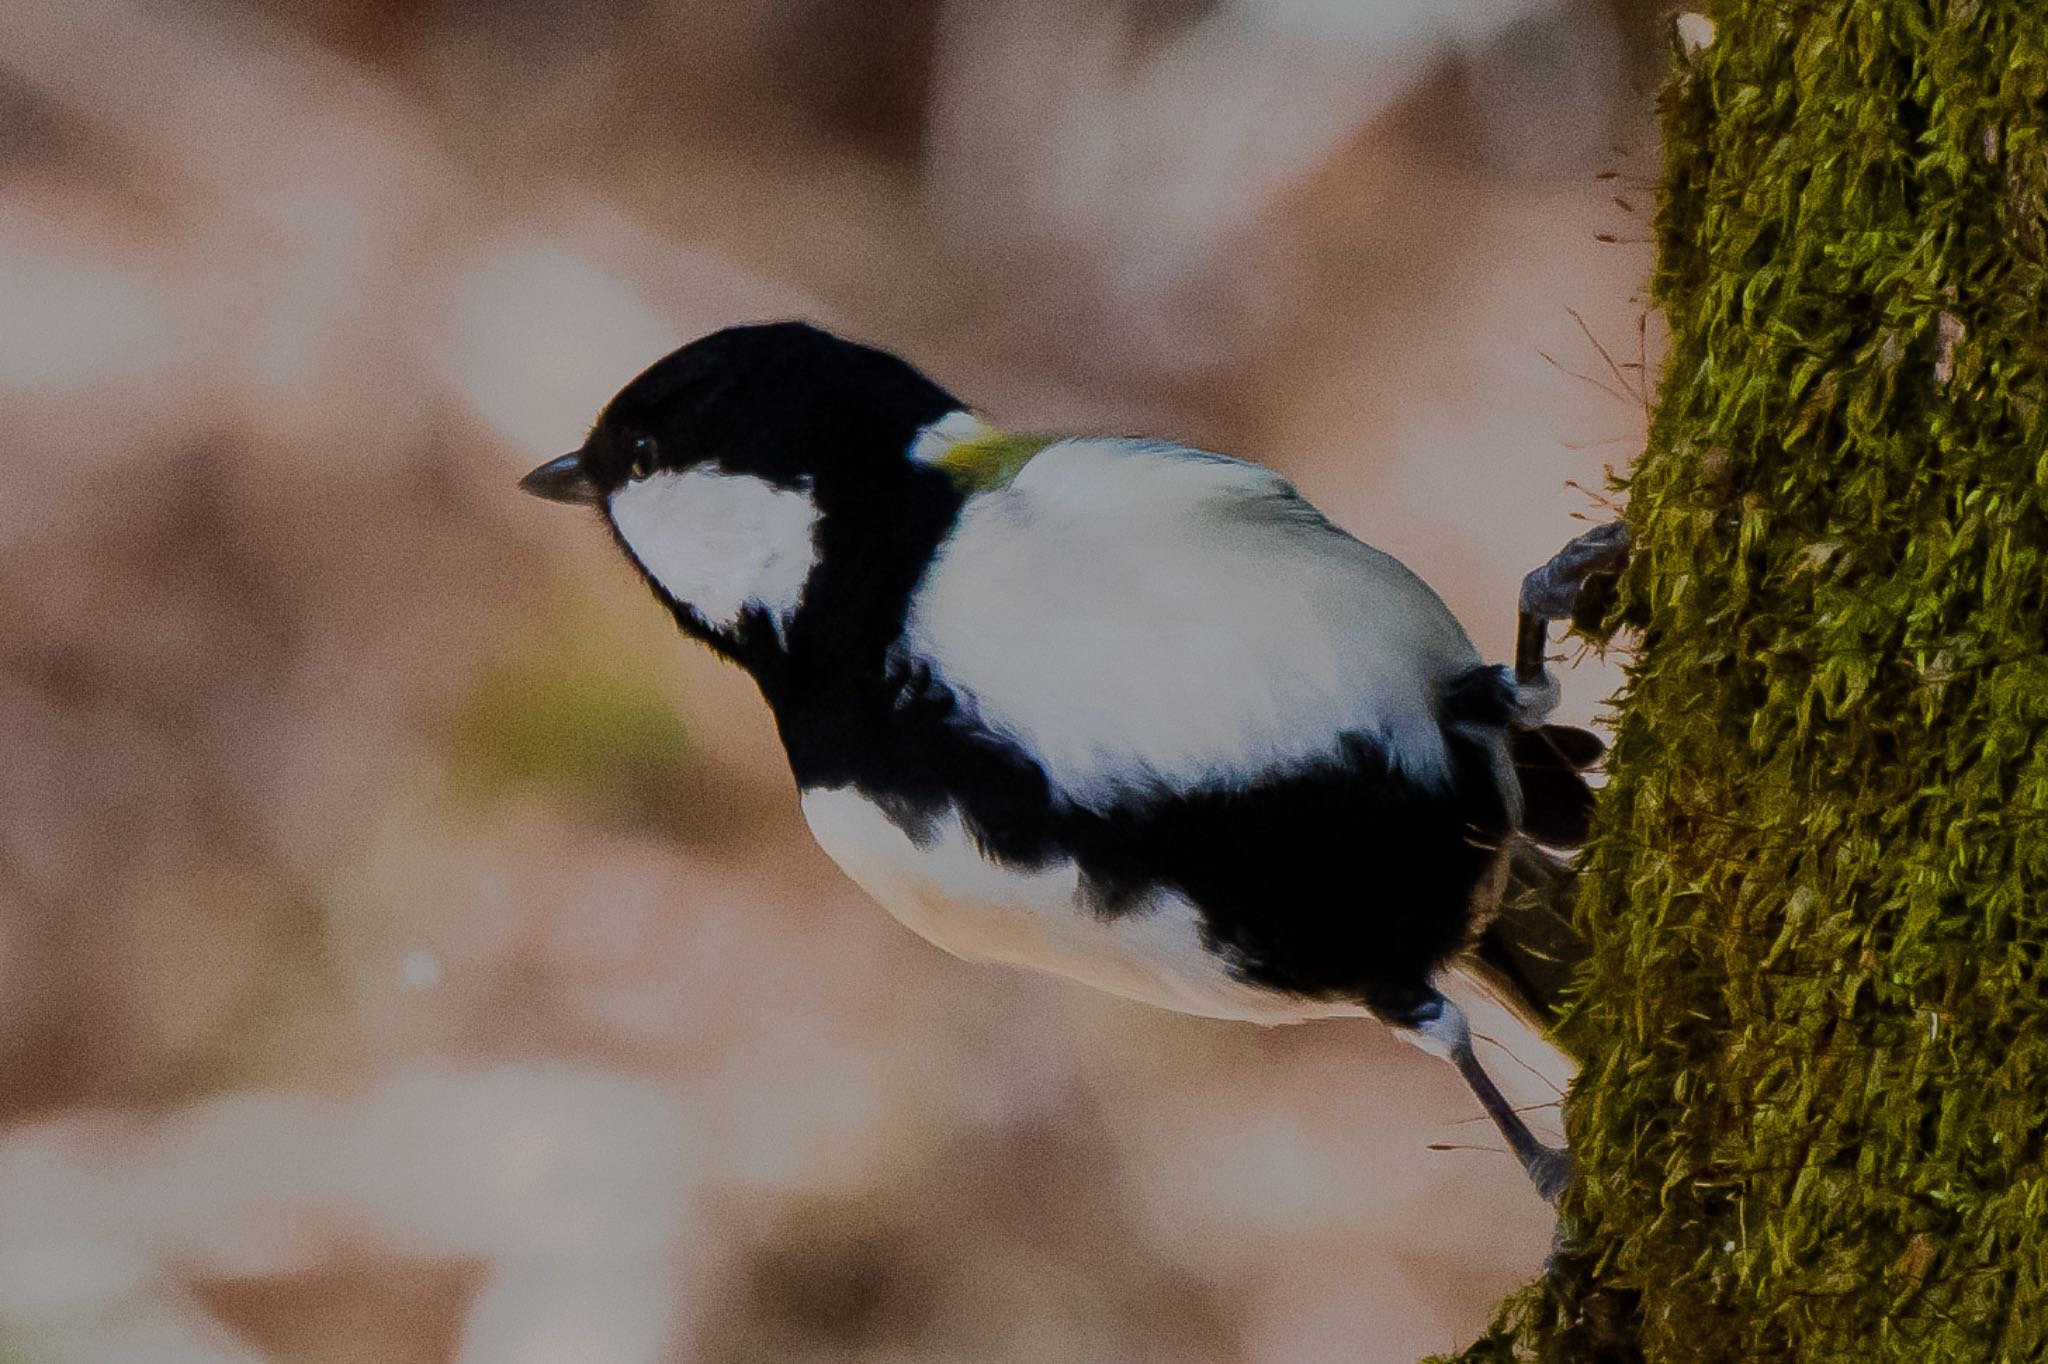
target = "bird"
x: 1118, y: 709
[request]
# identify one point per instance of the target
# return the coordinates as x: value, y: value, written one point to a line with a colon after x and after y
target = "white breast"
x: 1143, y: 618
x: 951, y: 895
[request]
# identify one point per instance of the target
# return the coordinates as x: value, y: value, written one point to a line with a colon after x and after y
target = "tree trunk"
x: 1814, y: 1026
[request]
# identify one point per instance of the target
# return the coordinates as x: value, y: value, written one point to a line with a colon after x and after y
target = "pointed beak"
x: 563, y: 480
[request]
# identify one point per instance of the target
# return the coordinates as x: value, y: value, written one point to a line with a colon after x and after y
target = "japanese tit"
x: 1117, y: 709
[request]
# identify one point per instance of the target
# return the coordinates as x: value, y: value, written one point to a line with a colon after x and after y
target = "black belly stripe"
x: 1346, y: 881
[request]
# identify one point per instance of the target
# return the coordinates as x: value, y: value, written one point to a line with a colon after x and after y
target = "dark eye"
x: 640, y: 454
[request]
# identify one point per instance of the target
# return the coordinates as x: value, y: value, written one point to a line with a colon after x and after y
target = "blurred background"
x: 410, y: 950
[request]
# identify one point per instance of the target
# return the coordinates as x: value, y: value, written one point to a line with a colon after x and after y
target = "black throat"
x: 834, y: 678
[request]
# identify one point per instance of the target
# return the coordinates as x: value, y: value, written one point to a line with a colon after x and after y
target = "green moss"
x: 1815, y: 1021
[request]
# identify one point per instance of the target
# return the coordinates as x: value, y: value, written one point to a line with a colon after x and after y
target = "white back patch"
x: 1145, y: 618
x: 955, y: 428
x: 945, y: 890
x: 720, y: 543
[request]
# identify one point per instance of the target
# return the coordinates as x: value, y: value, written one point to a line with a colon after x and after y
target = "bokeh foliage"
x: 1814, y: 1028
x: 598, y: 731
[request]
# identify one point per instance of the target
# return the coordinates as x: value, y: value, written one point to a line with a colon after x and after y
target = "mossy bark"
x: 1814, y: 1026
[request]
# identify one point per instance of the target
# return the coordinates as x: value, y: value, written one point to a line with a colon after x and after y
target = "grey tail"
x: 1528, y: 953
x: 1550, y: 763
x: 1531, y: 948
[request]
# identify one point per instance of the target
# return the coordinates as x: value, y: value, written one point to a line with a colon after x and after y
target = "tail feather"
x: 1549, y: 760
x: 1530, y: 950
x: 1526, y: 955
x: 1550, y: 763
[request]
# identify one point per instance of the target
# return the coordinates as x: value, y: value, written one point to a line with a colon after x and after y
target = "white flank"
x: 1143, y: 617
x: 951, y: 895
x: 720, y: 543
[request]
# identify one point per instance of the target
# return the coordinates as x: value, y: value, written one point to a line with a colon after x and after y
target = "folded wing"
x: 1150, y: 620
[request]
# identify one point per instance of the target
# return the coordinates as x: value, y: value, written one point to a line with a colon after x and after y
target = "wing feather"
x: 1148, y: 619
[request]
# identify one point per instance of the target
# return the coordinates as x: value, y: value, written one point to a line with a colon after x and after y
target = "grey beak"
x: 563, y: 479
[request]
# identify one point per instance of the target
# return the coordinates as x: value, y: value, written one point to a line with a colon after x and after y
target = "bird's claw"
x: 1552, y: 591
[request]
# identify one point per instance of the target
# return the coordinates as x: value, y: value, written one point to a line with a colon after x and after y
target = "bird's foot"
x: 1553, y: 590
x: 1560, y: 590
x: 1438, y: 1026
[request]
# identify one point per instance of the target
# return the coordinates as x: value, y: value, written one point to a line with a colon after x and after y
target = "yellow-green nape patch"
x: 977, y: 466
x: 975, y: 455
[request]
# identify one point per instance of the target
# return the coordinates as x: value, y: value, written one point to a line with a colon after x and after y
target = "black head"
x: 784, y: 401
x: 762, y: 479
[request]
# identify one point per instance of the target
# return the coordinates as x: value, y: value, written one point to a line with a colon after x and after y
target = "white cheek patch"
x: 721, y: 543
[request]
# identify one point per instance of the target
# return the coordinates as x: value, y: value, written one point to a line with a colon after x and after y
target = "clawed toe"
x: 1554, y: 591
